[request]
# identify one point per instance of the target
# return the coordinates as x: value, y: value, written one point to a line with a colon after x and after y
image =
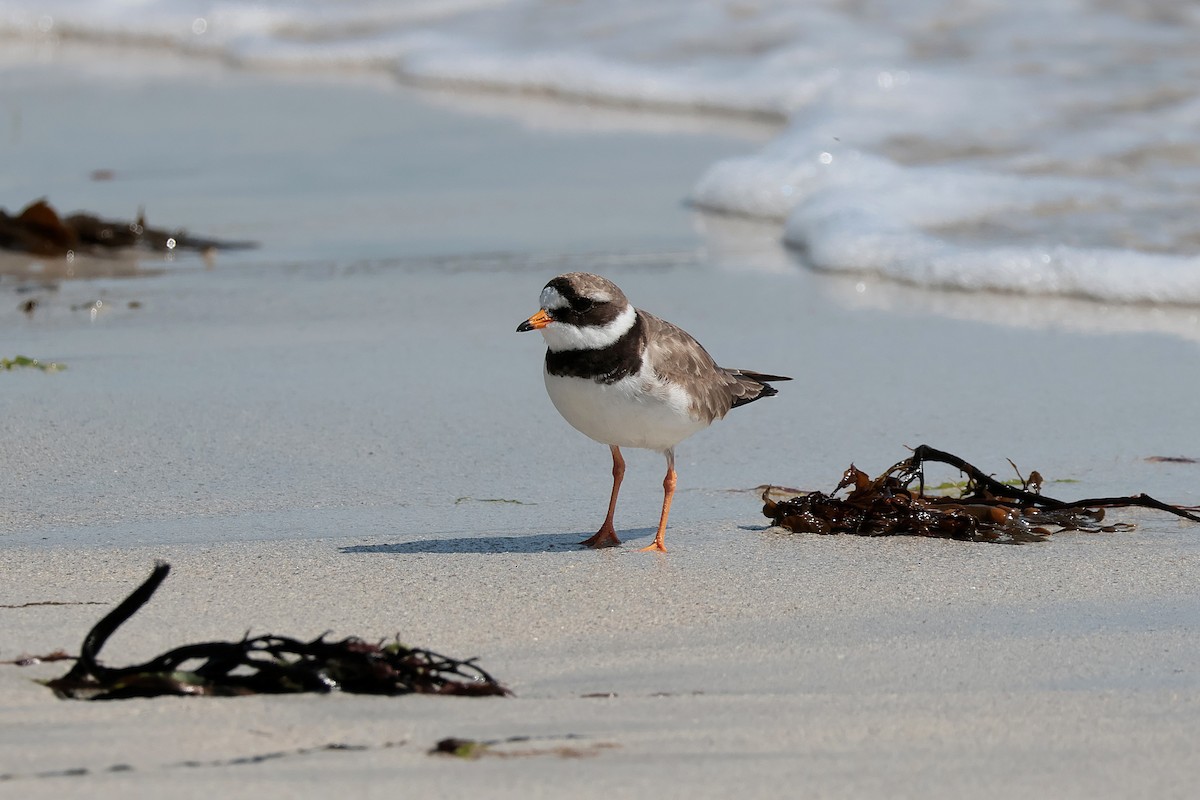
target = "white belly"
x: 633, y: 412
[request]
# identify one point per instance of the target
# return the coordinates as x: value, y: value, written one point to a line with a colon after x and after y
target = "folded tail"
x: 754, y: 385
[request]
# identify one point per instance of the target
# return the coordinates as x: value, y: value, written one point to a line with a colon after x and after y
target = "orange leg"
x: 668, y: 495
x: 607, y: 535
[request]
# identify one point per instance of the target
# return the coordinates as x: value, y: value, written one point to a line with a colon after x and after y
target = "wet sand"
x: 341, y: 431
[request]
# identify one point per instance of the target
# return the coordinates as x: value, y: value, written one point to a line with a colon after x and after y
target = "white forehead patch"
x: 552, y: 300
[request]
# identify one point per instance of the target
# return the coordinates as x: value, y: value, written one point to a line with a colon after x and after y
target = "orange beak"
x: 538, y: 321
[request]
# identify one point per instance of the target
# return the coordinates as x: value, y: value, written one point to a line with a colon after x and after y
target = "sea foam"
x: 1035, y: 146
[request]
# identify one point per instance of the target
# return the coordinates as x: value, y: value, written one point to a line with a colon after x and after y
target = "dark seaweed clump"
x: 40, y: 230
x: 265, y: 665
x: 986, y: 510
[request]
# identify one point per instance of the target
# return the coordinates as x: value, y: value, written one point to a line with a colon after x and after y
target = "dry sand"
x: 320, y: 437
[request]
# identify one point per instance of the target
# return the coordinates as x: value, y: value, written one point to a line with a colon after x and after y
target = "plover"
x: 626, y: 378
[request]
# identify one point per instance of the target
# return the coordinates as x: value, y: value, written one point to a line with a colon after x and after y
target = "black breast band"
x: 608, y: 365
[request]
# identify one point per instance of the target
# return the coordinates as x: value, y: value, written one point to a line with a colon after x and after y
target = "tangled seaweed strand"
x: 986, y: 511
x: 265, y: 665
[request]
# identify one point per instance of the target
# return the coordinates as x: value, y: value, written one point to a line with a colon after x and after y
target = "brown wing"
x: 680, y: 359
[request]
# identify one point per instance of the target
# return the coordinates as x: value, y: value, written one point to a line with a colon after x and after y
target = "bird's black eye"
x: 584, y: 305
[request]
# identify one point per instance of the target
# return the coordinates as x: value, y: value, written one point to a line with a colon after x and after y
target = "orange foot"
x: 656, y: 546
x: 605, y: 537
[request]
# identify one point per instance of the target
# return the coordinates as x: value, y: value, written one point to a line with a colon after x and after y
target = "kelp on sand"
x: 986, y: 509
x: 265, y: 665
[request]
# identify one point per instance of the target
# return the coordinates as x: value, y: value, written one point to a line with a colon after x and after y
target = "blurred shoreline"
x: 1018, y: 148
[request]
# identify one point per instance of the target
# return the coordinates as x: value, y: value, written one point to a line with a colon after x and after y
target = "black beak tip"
x: 524, y: 326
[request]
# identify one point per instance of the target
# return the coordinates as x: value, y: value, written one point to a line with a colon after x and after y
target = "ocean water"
x: 1042, y: 147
